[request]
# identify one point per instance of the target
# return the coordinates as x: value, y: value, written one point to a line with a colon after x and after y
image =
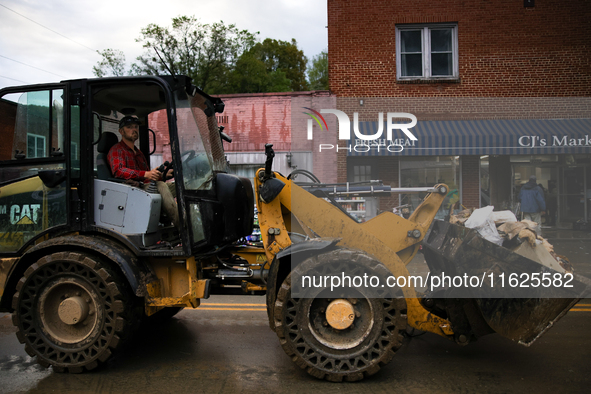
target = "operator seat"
x: 105, y: 144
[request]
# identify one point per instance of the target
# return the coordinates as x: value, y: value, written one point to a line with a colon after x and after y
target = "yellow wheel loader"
x: 86, y: 258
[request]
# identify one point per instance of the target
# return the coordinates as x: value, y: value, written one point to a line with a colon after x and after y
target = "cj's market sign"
x: 537, y: 141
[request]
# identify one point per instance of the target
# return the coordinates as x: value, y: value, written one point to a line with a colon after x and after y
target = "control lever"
x: 163, y: 168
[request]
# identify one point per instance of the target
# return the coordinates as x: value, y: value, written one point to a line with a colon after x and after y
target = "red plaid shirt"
x: 126, y: 163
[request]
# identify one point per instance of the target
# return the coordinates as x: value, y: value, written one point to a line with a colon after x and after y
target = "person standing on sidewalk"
x: 532, y: 201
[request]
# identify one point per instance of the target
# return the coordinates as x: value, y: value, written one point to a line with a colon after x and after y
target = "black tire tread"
x: 284, y: 295
x: 122, y: 306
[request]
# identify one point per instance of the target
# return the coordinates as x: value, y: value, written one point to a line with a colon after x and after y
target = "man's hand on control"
x: 170, y: 174
x: 153, y: 175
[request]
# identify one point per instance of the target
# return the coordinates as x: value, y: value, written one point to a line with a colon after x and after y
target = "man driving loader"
x: 129, y: 163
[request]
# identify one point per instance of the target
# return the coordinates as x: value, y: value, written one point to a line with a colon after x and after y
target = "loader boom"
x: 392, y: 239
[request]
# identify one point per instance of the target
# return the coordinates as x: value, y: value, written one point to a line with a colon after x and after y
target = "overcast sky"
x: 28, y: 30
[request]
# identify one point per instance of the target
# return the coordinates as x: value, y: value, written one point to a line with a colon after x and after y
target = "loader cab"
x: 178, y: 131
x: 55, y: 142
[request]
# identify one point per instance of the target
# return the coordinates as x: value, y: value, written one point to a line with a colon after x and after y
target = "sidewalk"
x: 556, y: 233
x: 575, y: 245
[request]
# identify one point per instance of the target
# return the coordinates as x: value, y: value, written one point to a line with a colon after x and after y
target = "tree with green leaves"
x: 206, y: 53
x: 282, y: 56
x: 252, y: 76
x: 112, y: 63
x: 219, y: 58
x: 318, y: 72
x: 270, y: 66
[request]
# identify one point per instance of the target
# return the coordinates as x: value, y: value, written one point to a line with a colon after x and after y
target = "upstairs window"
x: 35, y: 146
x: 427, y: 52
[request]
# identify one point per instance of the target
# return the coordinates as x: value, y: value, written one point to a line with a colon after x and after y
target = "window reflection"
x: 429, y: 171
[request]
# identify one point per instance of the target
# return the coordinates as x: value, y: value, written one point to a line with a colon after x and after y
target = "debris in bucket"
x: 461, y: 217
x: 502, y: 228
x: 526, y: 230
x: 482, y: 220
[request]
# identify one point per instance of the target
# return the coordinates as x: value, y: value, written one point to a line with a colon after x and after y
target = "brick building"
x: 501, y: 90
x: 7, y: 121
x: 255, y: 119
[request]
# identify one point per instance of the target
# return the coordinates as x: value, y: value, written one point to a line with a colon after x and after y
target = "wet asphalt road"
x: 228, y: 351
x: 227, y: 347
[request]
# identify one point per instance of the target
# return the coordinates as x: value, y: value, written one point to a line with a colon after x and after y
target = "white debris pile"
x: 503, y: 229
x: 482, y: 220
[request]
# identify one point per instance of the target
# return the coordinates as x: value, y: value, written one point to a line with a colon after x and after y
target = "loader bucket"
x: 495, y: 277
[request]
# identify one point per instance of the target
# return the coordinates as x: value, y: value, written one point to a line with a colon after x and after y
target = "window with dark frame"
x: 427, y: 52
x: 362, y: 169
x: 35, y: 146
x: 361, y: 173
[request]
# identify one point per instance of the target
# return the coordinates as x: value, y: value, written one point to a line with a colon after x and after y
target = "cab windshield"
x: 201, y: 149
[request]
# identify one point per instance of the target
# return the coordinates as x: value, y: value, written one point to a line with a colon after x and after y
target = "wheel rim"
x: 68, y: 310
x: 333, y: 350
x: 336, y: 332
x: 48, y: 334
x: 340, y: 313
x: 327, y: 347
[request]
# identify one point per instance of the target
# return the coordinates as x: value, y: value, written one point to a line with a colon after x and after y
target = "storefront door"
x: 547, y: 177
x: 573, y: 203
x: 567, y: 190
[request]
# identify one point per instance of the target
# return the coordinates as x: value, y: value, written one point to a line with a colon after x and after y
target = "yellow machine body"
x: 391, y: 239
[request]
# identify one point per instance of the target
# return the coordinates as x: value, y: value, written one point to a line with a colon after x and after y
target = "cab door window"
x: 33, y: 194
x: 33, y: 123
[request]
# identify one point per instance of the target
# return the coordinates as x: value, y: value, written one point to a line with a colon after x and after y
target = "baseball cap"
x: 127, y: 120
x: 532, y: 178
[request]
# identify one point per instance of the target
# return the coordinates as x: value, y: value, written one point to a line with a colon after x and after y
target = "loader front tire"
x: 72, y: 311
x: 338, y: 354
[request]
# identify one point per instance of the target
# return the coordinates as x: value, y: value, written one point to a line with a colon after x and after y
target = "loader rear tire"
x: 326, y: 352
x: 72, y: 311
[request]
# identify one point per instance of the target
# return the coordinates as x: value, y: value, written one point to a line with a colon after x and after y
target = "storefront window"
x: 565, y: 181
x: 362, y: 173
x: 429, y: 171
x: 572, y: 193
